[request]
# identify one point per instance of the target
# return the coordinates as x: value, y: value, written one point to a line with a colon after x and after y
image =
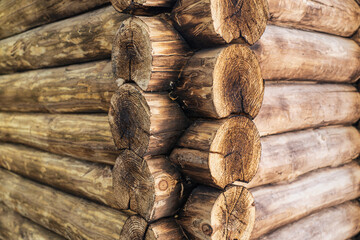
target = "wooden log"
x: 217, y: 153
x: 207, y: 23
x: 79, y: 39
x: 14, y: 227
x: 282, y: 204
x: 69, y: 216
x: 356, y: 37
x: 218, y: 82
x: 214, y: 214
x: 165, y: 229
x: 142, y: 7
x: 19, y: 16
x: 86, y: 137
x: 146, y: 123
x: 150, y: 186
x: 339, y: 222
x: 290, y: 54
x: 149, y: 52
x: 289, y: 107
x: 90, y: 180
x: 338, y: 17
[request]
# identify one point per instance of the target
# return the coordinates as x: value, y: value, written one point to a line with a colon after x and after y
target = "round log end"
x: 134, y: 228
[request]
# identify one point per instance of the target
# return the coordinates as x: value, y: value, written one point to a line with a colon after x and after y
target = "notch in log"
x: 142, y: 7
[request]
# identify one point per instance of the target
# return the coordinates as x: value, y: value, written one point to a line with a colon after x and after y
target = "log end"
x: 134, y: 228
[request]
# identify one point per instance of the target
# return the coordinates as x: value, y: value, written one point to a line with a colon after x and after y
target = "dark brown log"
x: 14, y: 227
x: 356, y: 37
x: 218, y: 82
x: 281, y: 204
x: 146, y: 123
x: 143, y: 7
x: 19, y: 16
x: 86, y: 137
x: 149, y: 52
x: 217, y: 153
x: 150, y: 186
x: 289, y: 107
x: 78, y: 39
x: 207, y: 23
x: 215, y: 214
x: 165, y: 229
x: 71, y: 217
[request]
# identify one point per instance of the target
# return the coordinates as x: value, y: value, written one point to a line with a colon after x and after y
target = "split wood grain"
x: 165, y: 229
x: 143, y: 7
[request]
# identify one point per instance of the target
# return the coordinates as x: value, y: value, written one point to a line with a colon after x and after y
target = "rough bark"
x: 339, y: 222
x: 356, y: 37
x: 146, y: 123
x: 71, y: 217
x: 207, y: 23
x: 86, y: 137
x: 165, y: 229
x: 217, y: 153
x: 215, y: 214
x: 218, y: 82
x: 281, y: 204
x: 79, y: 39
x: 290, y: 54
x: 149, y: 52
x: 143, y: 7
x: 150, y: 186
x: 289, y: 107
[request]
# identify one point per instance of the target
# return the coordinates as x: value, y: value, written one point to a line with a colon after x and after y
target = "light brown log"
x: 90, y: 180
x: 150, y: 186
x: 215, y: 214
x: 339, y: 222
x: 143, y: 7
x: 338, y: 17
x: 281, y: 204
x: 149, y: 52
x: 290, y: 54
x: 79, y: 39
x: 71, y: 217
x: 86, y: 137
x: 165, y: 229
x: 146, y: 123
x: 217, y: 153
x: 14, y: 227
x: 207, y: 23
x: 289, y: 107
x: 19, y: 16
x: 356, y: 37
x: 218, y: 82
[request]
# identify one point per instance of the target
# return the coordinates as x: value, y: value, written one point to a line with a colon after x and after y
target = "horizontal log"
x: 143, y: 7
x: 217, y: 153
x: 282, y: 204
x: 86, y: 137
x: 289, y: 107
x: 165, y: 229
x: 339, y: 222
x: 14, y: 227
x: 214, y: 214
x: 149, y: 52
x: 19, y: 16
x: 290, y: 54
x: 79, y: 39
x: 69, y: 216
x: 222, y: 81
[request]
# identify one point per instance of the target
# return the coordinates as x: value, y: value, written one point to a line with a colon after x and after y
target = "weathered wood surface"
x: 214, y: 214
x: 143, y: 122
x: 90, y: 180
x: 207, y: 23
x: 69, y: 216
x: 217, y: 153
x: 338, y: 17
x: 165, y: 229
x: 14, y: 227
x: 356, y: 37
x: 222, y: 81
x: 143, y: 7
x: 84, y: 87
x: 289, y: 107
x: 290, y: 54
x: 279, y: 205
x: 20, y: 15
x: 339, y: 222
x: 149, y: 52
x: 82, y: 38
x: 86, y: 137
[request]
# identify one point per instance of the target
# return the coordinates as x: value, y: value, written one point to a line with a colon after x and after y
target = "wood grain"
x: 165, y: 229
x: 143, y: 7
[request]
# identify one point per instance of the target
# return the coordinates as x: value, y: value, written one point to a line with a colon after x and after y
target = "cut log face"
x: 218, y: 153
x: 149, y: 52
x: 218, y: 82
x: 146, y: 123
x: 142, y: 7
x: 165, y: 229
x: 215, y: 214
